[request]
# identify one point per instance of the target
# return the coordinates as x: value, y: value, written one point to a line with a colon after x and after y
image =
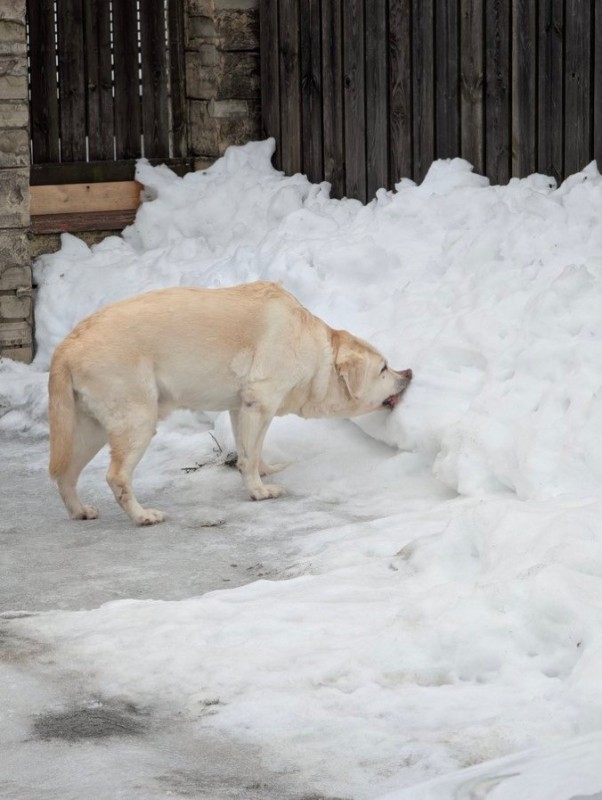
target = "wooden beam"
x: 85, y: 197
x: 72, y: 223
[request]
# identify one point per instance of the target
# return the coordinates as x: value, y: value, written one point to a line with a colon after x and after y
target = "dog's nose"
x: 407, y: 374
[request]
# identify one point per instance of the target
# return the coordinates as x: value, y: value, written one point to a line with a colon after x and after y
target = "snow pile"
x: 491, y: 295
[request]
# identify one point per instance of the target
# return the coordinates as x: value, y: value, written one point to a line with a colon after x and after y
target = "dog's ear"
x: 351, y: 368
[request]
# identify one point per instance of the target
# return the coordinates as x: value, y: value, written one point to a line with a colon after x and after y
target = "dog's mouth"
x: 392, y: 401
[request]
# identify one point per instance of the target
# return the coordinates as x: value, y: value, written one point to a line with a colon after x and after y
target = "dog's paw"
x: 266, y: 491
x: 270, y: 469
x: 150, y: 516
x: 86, y: 512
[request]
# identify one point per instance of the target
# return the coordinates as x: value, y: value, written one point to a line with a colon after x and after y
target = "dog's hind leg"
x: 128, y: 444
x: 88, y: 438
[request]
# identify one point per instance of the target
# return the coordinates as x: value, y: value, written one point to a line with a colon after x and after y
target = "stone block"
x: 239, y: 77
x: 228, y: 109
x: 14, y: 114
x: 199, y: 30
x: 13, y: 78
x: 15, y: 334
x: 204, y: 131
x: 14, y: 148
x: 24, y: 354
x: 14, y: 198
x: 12, y: 38
x: 211, y: 136
x: 16, y: 279
x: 238, y: 30
x: 238, y: 131
x: 208, y: 55
x: 14, y: 252
x: 14, y: 307
x: 13, y: 10
x: 200, y: 8
x: 236, y: 4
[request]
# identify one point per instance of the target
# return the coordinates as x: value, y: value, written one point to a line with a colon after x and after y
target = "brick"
x: 24, y: 354
x: 13, y: 78
x: 13, y: 307
x: 14, y: 252
x: 14, y: 198
x: 14, y: 148
x: 14, y: 114
x: 15, y: 334
x: 238, y: 30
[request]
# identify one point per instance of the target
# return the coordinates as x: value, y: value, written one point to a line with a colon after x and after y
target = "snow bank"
x: 490, y: 293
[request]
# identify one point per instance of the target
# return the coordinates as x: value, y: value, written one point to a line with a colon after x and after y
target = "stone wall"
x: 15, y: 262
x: 222, y: 75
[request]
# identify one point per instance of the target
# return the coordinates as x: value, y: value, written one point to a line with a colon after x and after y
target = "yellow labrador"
x: 252, y: 350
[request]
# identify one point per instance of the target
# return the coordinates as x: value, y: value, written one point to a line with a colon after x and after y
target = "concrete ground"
x: 59, y: 740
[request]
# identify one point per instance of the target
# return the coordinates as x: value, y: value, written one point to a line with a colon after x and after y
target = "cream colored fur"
x: 252, y: 350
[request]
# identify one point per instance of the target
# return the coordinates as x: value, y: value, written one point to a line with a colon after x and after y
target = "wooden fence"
x: 106, y: 86
x: 363, y: 92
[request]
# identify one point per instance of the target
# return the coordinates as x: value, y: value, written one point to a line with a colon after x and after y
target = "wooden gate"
x: 106, y: 87
x: 363, y: 92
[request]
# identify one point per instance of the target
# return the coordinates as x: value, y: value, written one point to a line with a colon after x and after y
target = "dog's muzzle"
x: 405, y: 377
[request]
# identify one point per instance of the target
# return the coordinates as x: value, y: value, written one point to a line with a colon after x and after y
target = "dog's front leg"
x: 252, y: 423
x: 264, y: 469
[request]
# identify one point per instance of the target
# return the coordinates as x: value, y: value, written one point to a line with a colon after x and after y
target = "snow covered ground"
x: 429, y: 595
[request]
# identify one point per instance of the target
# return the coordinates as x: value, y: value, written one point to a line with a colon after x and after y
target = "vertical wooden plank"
x: 72, y: 91
x: 128, y: 123
x: 355, y: 99
x: 377, y: 105
x: 311, y: 89
x: 99, y: 89
x: 471, y: 83
x: 577, y: 110
x: 550, y: 138
x: 290, y: 86
x: 270, y: 78
x: 524, y: 87
x: 597, y: 87
x: 447, y: 72
x: 177, y: 79
x: 153, y: 44
x: 497, y: 90
x: 44, y: 107
x: 423, y: 81
x: 400, y: 90
x: 332, y: 95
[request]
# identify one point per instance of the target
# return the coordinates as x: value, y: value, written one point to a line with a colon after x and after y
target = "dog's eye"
x: 384, y: 369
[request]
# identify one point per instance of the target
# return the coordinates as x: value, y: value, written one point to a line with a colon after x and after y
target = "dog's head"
x: 366, y: 380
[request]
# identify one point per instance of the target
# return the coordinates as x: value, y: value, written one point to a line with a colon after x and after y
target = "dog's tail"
x: 61, y: 415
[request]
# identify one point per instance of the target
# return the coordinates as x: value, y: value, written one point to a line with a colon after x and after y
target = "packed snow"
x: 454, y: 615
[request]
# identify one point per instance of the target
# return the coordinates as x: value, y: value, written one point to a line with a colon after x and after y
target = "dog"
x: 252, y: 350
